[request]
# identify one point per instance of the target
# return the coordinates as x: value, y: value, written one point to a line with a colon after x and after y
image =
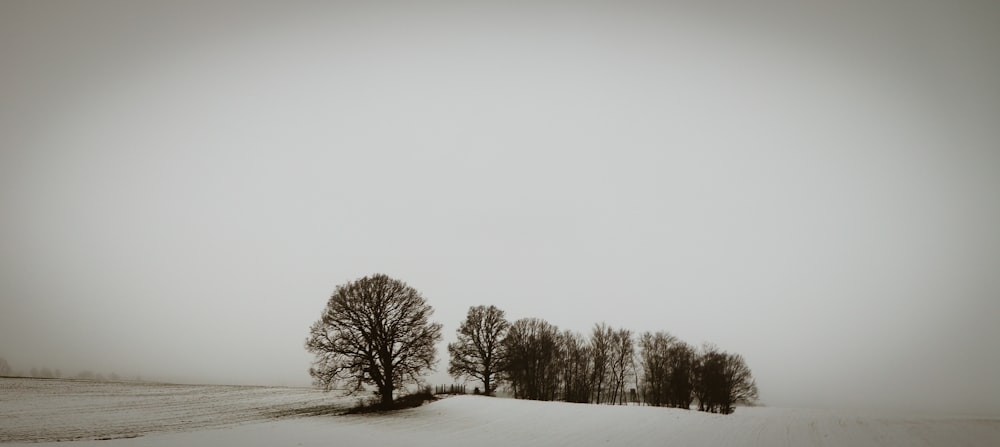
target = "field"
x: 65, y: 410
x: 147, y: 415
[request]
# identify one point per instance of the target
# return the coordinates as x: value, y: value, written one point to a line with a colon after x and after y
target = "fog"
x: 810, y: 184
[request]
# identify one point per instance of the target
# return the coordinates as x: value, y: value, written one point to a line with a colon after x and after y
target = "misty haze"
x: 541, y: 223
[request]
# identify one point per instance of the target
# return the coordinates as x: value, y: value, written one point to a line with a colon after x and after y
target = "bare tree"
x: 722, y: 380
x: 533, y: 359
x: 655, y: 367
x: 5, y: 369
x: 600, y: 349
x: 478, y: 353
x: 375, y: 331
x: 577, y: 366
x: 680, y: 374
x: 622, y: 360
x: 708, y: 377
x: 738, y: 384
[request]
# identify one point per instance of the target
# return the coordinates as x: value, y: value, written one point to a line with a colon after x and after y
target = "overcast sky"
x: 813, y: 185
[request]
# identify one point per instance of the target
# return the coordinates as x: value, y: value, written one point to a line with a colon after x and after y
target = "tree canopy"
x: 478, y: 352
x: 374, y: 331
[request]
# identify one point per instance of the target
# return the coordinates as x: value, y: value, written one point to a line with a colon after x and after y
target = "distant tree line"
x: 45, y: 373
x: 451, y: 389
x: 610, y: 366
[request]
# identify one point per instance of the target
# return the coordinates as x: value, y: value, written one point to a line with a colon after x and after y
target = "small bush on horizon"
x: 374, y: 404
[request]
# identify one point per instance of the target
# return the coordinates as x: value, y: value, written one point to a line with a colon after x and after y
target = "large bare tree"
x: 478, y: 353
x: 374, y: 331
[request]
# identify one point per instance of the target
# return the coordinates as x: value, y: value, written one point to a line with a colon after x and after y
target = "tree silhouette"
x: 577, y: 367
x: 738, y: 385
x: 622, y: 362
x: 600, y: 349
x: 680, y: 374
x: 722, y: 380
x: 533, y: 359
x: 654, y: 361
x: 375, y: 331
x: 478, y: 353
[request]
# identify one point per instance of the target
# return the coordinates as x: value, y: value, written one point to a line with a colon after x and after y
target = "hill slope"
x: 480, y: 421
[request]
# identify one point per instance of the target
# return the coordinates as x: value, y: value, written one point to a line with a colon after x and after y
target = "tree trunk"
x: 386, y: 392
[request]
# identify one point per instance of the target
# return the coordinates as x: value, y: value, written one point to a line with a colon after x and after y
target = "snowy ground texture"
x: 66, y: 410
x: 165, y: 415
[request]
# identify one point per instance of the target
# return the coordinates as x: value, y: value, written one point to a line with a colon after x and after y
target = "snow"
x: 65, y: 410
x: 483, y: 421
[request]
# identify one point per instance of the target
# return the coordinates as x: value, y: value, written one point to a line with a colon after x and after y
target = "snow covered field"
x: 64, y: 410
x: 169, y: 415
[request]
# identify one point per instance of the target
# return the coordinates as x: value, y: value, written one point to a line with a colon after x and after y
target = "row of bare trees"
x: 376, y: 331
x: 612, y: 366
